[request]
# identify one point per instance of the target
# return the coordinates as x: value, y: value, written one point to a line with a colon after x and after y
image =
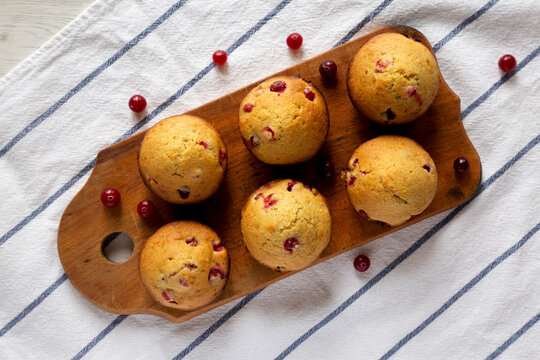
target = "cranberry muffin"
x: 283, y: 120
x: 393, y: 79
x: 183, y: 159
x: 286, y: 225
x: 183, y: 265
x: 390, y: 179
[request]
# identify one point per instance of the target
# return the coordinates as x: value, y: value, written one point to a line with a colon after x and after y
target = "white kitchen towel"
x: 461, y: 285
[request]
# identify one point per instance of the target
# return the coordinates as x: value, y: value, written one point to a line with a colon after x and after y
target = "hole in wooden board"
x: 117, y: 247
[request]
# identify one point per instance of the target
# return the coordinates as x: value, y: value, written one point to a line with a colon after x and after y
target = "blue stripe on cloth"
x: 240, y: 305
x: 437, y: 227
x: 204, y: 72
x: 100, y: 337
x: 409, y: 251
x: 43, y: 295
x: 91, y: 164
x: 364, y: 22
x: 461, y: 292
x: 464, y: 24
x: 140, y: 124
x: 92, y: 76
x: 498, y: 84
x: 514, y: 337
x: 162, y: 107
x: 216, y: 325
x: 345, y: 38
x: 47, y: 202
x: 33, y: 304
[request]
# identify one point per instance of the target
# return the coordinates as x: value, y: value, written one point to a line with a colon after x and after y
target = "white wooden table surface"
x: 25, y: 25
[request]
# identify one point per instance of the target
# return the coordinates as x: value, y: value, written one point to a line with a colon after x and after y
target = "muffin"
x: 283, y: 120
x: 286, y: 225
x: 393, y: 79
x: 182, y: 159
x: 390, y: 179
x: 183, y: 265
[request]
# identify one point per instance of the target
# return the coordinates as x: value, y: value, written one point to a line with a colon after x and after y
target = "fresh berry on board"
x: 328, y: 70
x: 110, y: 197
x: 461, y: 165
x: 146, y: 208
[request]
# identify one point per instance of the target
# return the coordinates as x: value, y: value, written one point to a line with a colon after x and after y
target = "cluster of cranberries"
x: 110, y: 197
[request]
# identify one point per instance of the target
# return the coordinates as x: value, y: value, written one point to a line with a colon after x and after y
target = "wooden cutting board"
x: 116, y: 287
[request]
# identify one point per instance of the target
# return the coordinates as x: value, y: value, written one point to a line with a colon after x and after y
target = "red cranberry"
x: 216, y: 274
x: 278, y: 86
x: 137, y: 103
x: 290, y: 244
x: 167, y: 297
x: 219, y: 57
x: 328, y: 70
x: 507, y: 63
x: 146, y: 208
x: 364, y: 214
x: 222, y: 156
x: 216, y: 245
x: 192, y: 241
x: 352, y: 180
x: 257, y: 196
x: 294, y: 41
x: 268, y: 201
x: 203, y: 144
x: 190, y: 266
x: 268, y: 133
x: 382, y: 65
x: 248, y: 107
x: 150, y: 179
x: 461, y: 165
x: 184, y: 191
x: 110, y: 197
x: 309, y: 94
x: 254, y: 140
x: 361, y: 263
x: 354, y: 163
x: 411, y: 92
x: 290, y: 185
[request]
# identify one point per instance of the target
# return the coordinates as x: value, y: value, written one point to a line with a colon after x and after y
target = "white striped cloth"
x: 461, y: 285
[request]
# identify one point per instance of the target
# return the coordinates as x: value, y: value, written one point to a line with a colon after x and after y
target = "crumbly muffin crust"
x: 183, y: 159
x: 393, y: 79
x: 283, y: 120
x: 184, y: 265
x: 390, y: 179
x: 286, y: 225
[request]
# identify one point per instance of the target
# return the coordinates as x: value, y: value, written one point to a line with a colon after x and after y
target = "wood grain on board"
x: 116, y: 287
